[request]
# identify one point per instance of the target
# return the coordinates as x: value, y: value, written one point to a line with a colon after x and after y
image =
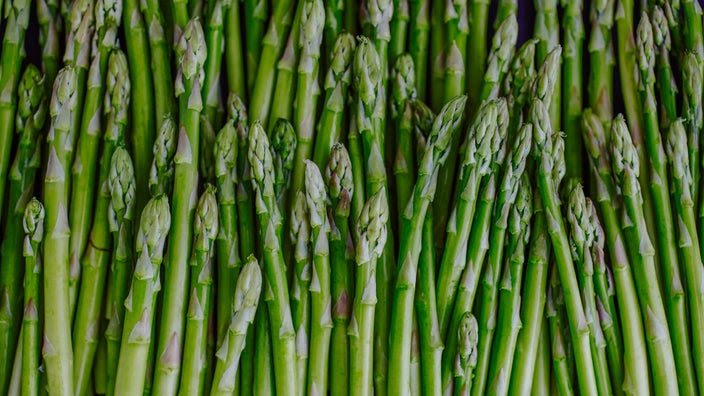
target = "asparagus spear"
x: 57, y: 337
x: 446, y: 124
x: 380, y: 14
x: 205, y: 229
x: 562, y: 377
x: 624, y: 164
x: 283, y: 144
x: 160, y: 60
x: 269, y: 218
x: 96, y: 259
x: 665, y: 80
x: 371, y: 238
x: 334, y: 12
x: 29, y: 121
x: 692, y: 111
x: 541, y: 376
x: 688, y: 242
x: 234, y: 51
x: 693, y: 39
x: 499, y: 61
x: 141, y: 301
x: 403, y: 89
x: 519, y: 81
x: 630, y: 312
x: 601, y: 59
x: 206, y: 161
x: 179, y: 11
x: 338, y: 174
x: 509, y: 304
x: 33, y: 224
x: 191, y: 54
x: 337, y: 80
x: 547, y: 31
x: 399, y: 29
x: 354, y: 140
x: 551, y: 166
x: 456, y: 51
x: 300, y: 238
x: 307, y: 90
x: 573, y: 42
x: 504, y: 9
x: 509, y: 187
x: 418, y: 36
x: 242, y: 308
x: 438, y: 44
x: 215, y: 42
x: 161, y: 175
x: 256, y: 13
x: 466, y: 357
x: 50, y: 28
x: 478, y: 22
x: 526, y: 361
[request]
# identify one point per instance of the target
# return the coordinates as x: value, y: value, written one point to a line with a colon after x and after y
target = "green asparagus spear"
x: 601, y: 59
x: 665, y: 80
x: 334, y: 10
x: 519, y: 81
x: 692, y: 111
x: 256, y: 13
x: 398, y: 30
x: 547, y: 31
x: 403, y: 89
x: 206, y: 160
x: 215, y: 42
x: 573, y: 43
x: 161, y: 175
x: 438, y: 39
x: 563, y: 379
x: 300, y: 238
x: 160, y: 60
x: 141, y: 301
x: 418, y: 36
x: 50, y: 28
x: 541, y: 376
x: 693, y: 35
x: 478, y: 22
x: 456, y: 51
x: 234, y: 51
x: 499, y: 60
x: 466, y: 356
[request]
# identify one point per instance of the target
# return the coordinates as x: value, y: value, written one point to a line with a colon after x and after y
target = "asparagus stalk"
x: 509, y: 188
x: 206, y: 161
x: 380, y: 14
x: 334, y: 13
x: 263, y: 371
x: 283, y: 144
x: 518, y: 84
x: 504, y: 9
x: 398, y: 32
x: 478, y: 22
x: 215, y: 42
x: 547, y: 31
x: 205, y: 229
x: 541, y: 376
x: 562, y: 377
x: 141, y: 301
x: 466, y: 356
x: 33, y: 224
x: 689, y: 244
x: 300, y: 238
x: 282, y: 330
x: 191, y: 54
x: 337, y: 81
x: 57, y: 349
x: 234, y: 51
x: 438, y: 45
x: 160, y: 60
x: 456, y: 20
x: 29, y: 121
x: 624, y: 164
x: 403, y: 89
x: 179, y: 11
x: 338, y: 174
x: 548, y: 147
x: 96, y: 259
x: 601, y: 59
x: 665, y: 80
x: 242, y: 308
x: 418, y: 36
x: 693, y: 39
x: 50, y: 28
x: 256, y: 13
x: 634, y: 345
x: 371, y: 238
x: 161, y: 175
x: 692, y: 111
x: 526, y: 361
x: 499, y: 61
x: 573, y: 43
x: 509, y: 304
x: 444, y: 128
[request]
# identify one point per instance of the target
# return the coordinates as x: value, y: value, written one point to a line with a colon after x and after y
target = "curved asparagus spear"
x: 205, y: 229
x: 601, y: 59
x: 161, y: 175
x: 446, y: 125
x: 371, y: 238
x: 33, y: 224
x: 242, y: 310
x: 29, y: 121
x: 466, y: 356
x: 141, y: 301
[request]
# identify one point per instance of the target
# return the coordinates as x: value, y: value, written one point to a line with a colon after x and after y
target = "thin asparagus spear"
x: 548, y: 147
x: 256, y: 15
x: 96, y: 259
x: 455, y: 19
x: 518, y: 83
x: 526, y: 361
x: 509, y: 187
x: 160, y: 60
x: 263, y: 372
x: 478, y: 23
x: 624, y: 164
x: 141, y: 301
x: 371, y: 238
x: 418, y: 36
x: 499, y: 61
x: 215, y: 42
x: 630, y: 312
x: 206, y: 160
x: 300, y: 238
x: 33, y: 225
x: 541, y: 376
x: 573, y: 43
x: 446, y: 124
x: 398, y: 32
x: 692, y: 111
x: 29, y: 121
x: 665, y: 80
x: 582, y: 240
x: 161, y: 175
x: 57, y: 337
x: 466, y: 357
x: 234, y: 51
x: 242, y: 308
x: 337, y: 80
x: 205, y: 229
x: 50, y: 28
x: 414, y: 364
x: 191, y: 54
x: 599, y: 83
x: 562, y: 377
x: 282, y: 330
x: 688, y: 243
x: 547, y: 31
x: 338, y: 174
x: 403, y: 89
x: 438, y: 39
x: 283, y: 145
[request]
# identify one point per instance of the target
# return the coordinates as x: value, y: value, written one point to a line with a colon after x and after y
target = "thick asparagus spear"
x: 242, y: 308
x: 191, y: 54
x: 234, y: 50
x: 256, y: 13
x: 573, y: 42
x: 402, y: 91
x: 692, y: 32
x: 33, y: 224
x: 215, y: 42
x: 141, y: 302
x: 466, y: 356
x: 692, y: 111
x: 478, y: 23
x: 334, y: 12
x: 601, y: 59
x: 398, y: 42
x: 559, y: 347
x: 50, y: 28
x: 418, y: 36
x: 547, y: 31
x: 160, y: 56
x: 438, y: 38
x: 456, y: 20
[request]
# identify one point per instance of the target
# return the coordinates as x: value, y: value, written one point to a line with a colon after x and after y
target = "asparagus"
x: 300, y: 238
x: 519, y: 81
x: 141, y: 301
x: 57, y: 337
x: 547, y: 32
x: 665, y: 80
x: 354, y: 140
x: 456, y: 20
x: 191, y: 54
x: 263, y: 371
x: 466, y: 357
x: 541, y: 376
x: 256, y: 14
x: 161, y: 175
x: 692, y: 111
x: 205, y: 229
x: 50, y: 27
x: 418, y: 35
x: 33, y: 224
x: 444, y: 128
x: 159, y: 60
x: 242, y: 308
x: 234, y: 51
x: 478, y: 157
x: 438, y: 44
x: 380, y: 14
x: 573, y: 42
x: 551, y: 166
x: 403, y: 89
x: 692, y: 32
x: 96, y: 259
x: 283, y: 144
x: 206, y: 161
x: 215, y: 42
x: 269, y: 218
x: 504, y: 9
x: 624, y: 164
x: 526, y: 361
x: 499, y: 61
x: 29, y: 121
x: 509, y: 304
x: 562, y: 377
x: 630, y: 312
x: 179, y: 11
x: 307, y: 90
x: 582, y: 240
x: 479, y: 20
x: 334, y: 13
x: 688, y: 243
x: 338, y: 174
x: 509, y: 187
x: 601, y: 58
x: 371, y: 238
x: 337, y: 80
x: 398, y: 29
